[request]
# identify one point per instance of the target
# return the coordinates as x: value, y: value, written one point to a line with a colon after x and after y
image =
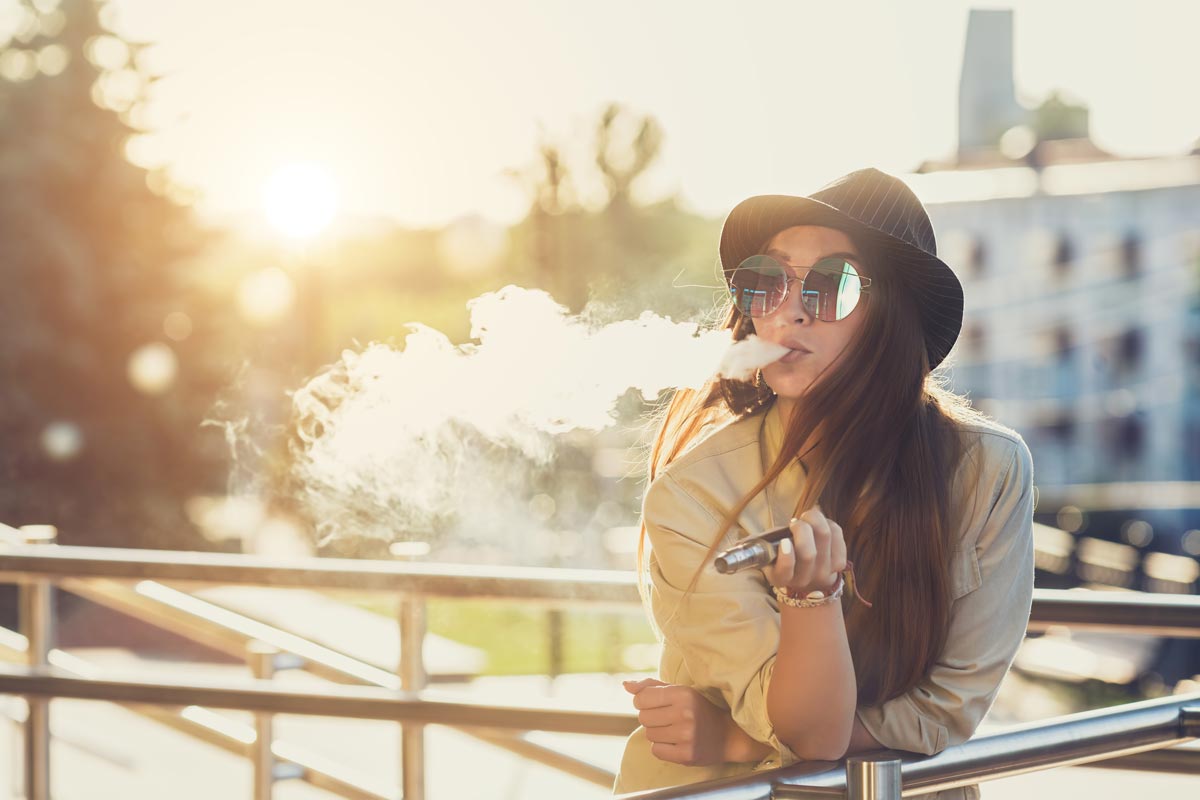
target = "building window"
x: 974, y: 341
x: 1131, y: 254
x: 1130, y: 349
x: 1063, y: 342
x: 1061, y: 428
x: 1064, y: 254
x: 1126, y: 436
x: 977, y: 256
x: 1191, y: 444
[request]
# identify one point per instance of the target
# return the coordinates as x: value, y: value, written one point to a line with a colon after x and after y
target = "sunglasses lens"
x: 758, y: 286
x: 830, y: 291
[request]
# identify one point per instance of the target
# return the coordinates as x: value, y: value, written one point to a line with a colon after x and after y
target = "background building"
x: 1082, y: 327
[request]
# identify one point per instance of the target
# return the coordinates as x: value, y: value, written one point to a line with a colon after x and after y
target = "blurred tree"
x: 628, y: 255
x: 622, y: 162
x: 548, y: 183
x: 103, y: 377
x: 1057, y: 118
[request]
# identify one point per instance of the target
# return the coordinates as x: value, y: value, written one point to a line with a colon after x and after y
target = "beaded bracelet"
x: 819, y: 598
x: 810, y: 600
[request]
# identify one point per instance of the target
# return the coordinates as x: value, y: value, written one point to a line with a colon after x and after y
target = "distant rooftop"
x: 1063, y: 169
x: 1075, y: 150
x: 1008, y: 150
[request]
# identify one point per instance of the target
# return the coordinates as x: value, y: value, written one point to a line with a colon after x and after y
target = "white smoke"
x: 397, y: 443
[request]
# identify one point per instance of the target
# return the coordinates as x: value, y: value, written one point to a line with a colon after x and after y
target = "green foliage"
x: 88, y: 263
x: 95, y: 257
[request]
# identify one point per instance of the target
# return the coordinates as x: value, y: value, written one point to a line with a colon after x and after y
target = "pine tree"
x: 91, y: 268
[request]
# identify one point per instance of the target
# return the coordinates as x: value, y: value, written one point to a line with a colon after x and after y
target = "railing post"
x: 261, y: 659
x: 413, y: 678
x: 1189, y: 720
x: 554, y: 632
x: 37, y: 624
x: 872, y: 780
x: 264, y: 659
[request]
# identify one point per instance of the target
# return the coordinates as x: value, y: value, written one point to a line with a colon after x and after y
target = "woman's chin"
x: 792, y: 389
x: 787, y: 383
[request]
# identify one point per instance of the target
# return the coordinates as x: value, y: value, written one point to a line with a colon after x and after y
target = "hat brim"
x: 938, y: 292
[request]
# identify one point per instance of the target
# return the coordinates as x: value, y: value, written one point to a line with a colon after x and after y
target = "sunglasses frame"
x: 863, y: 280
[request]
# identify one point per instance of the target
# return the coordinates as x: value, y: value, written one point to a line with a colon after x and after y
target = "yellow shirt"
x: 723, y: 639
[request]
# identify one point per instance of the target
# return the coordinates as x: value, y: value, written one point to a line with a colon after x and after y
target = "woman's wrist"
x: 825, y: 586
x: 811, y: 598
x: 842, y: 581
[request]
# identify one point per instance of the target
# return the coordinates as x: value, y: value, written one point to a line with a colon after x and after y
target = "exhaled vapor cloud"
x: 396, y: 442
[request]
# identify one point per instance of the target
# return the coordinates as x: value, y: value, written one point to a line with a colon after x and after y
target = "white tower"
x: 987, y: 101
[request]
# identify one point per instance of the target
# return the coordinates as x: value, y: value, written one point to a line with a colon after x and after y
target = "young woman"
x: 924, y: 505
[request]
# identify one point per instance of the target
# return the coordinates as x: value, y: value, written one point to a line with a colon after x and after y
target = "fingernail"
x: 786, y: 546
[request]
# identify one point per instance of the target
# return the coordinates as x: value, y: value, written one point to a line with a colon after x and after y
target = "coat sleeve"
x: 987, y: 626
x: 727, y: 629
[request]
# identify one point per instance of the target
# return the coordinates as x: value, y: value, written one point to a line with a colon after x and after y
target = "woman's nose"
x: 793, y: 309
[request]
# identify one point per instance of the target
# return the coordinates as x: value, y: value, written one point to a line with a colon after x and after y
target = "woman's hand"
x: 812, y: 558
x: 685, y: 728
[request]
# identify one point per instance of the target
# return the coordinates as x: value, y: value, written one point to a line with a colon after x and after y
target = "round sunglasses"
x: 830, y: 289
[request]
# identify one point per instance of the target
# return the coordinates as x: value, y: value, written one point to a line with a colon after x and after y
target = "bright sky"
x: 417, y: 108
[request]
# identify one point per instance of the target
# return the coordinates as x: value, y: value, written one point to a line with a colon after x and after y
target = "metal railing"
x: 98, y: 573
x: 36, y: 567
x: 1090, y: 737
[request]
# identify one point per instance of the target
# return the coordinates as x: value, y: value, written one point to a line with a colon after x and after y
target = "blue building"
x: 1082, y: 279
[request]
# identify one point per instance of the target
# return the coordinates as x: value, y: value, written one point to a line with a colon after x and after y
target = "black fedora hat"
x: 866, y: 203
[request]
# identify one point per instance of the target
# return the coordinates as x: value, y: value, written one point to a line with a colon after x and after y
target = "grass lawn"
x: 516, y: 637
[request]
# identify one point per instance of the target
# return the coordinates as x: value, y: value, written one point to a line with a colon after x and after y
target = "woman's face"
x: 791, y: 325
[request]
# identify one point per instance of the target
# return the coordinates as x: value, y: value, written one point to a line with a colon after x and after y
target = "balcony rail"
x: 37, y: 567
x: 1089, y: 737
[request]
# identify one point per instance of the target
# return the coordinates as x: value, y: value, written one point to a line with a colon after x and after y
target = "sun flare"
x: 300, y: 199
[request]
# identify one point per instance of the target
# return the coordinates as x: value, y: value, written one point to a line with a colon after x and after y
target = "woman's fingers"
x: 807, y: 541
x: 779, y: 572
x: 819, y: 553
x: 633, y: 687
x: 658, y: 717
x: 657, y: 696
x: 670, y: 752
x: 663, y: 734
x: 837, y: 549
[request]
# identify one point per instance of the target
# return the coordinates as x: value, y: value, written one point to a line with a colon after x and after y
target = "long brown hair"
x: 885, y: 447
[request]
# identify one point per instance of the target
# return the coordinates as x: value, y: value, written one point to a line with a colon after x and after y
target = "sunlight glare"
x: 266, y: 296
x: 152, y: 368
x: 300, y: 199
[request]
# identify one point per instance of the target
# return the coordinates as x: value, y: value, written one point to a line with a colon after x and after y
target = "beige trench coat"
x: 724, y: 638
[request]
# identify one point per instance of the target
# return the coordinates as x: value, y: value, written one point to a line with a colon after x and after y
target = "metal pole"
x: 413, y: 678
x: 872, y: 780
x: 37, y: 624
x: 1189, y: 720
x: 554, y: 629
x: 261, y: 659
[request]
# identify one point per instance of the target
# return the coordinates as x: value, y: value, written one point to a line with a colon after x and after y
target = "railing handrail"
x: 416, y: 578
x: 352, y: 702
x: 38, y: 566
x: 1084, y: 737
x: 1073, y: 739
x: 1151, y: 614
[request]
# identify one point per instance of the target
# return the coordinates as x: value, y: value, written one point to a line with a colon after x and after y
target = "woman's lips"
x: 794, y: 355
